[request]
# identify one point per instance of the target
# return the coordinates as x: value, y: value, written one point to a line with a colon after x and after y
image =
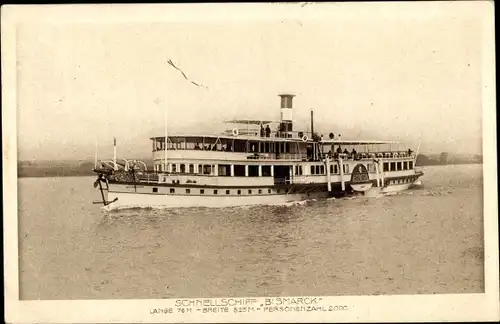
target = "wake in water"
x: 111, y: 208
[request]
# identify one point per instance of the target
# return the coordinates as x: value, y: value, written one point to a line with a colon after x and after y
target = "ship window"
x: 266, y: 170
x: 335, y: 169
x: 200, y: 168
x: 386, y: 166
x: 174, y: 167
x: 172, y: 190
x: 183, y: 168
x: 227, y: 192
x: 253, y: 170
x: 239, y: 170
x: 405, y: 165
x: 410, y: 165
x: 322, y: 169
x: 155, y: 189
x: 317, y: 170
x: 300, y: 169
x: 191, y: 168
x: 260, y: 191
x: 207, y: 169
x: 215, y: 191
x: 331, y: 168
x: 239, y: 192
x: 224, y: 170
x: 399, y: 167
x: 346, y: 168
x: 202, y: 191
x: 188, y: 191
x: 268, y: 190
x: 249, y: 191
x: 312, y: 169
x: 393, y: 166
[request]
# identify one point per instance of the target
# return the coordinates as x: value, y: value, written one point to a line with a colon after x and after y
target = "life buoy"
x: 235, y: 132
x: 305, y: 138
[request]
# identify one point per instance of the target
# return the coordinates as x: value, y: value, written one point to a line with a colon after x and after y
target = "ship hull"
x: 131, y: 200
x: 396, y: 187
x: 141, y: 196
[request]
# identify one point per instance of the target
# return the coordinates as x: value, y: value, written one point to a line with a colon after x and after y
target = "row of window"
x: 224, y: 145
x: 216, y: 191
x: 398, y: 166
x: 253, y: 170
x: 334, y: 169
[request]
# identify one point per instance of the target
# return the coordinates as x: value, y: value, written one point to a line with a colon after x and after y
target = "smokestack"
x: 286, y: 124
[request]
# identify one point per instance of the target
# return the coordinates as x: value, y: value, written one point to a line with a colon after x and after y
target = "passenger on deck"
x: 346, y: 151
x: 197, y: 147
x: 410, y: 152
x: 339, y: 150
x: 268, y: 131
x: 262, y: 131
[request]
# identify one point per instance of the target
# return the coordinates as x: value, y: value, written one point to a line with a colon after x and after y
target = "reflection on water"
x: 428, y: 240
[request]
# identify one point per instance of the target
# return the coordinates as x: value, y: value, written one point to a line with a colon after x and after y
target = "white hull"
x: 396, y: 187
x: 130, y: 200
x: 361, y: 187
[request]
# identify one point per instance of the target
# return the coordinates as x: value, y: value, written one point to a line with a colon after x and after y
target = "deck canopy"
x: 249, y: 122
x: 357, y: 142
x: 201, y: 137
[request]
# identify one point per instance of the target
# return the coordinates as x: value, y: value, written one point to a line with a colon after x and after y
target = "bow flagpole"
x: 166, y: 142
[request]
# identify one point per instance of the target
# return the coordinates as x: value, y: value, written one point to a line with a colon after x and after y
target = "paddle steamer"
x: 257, y: 162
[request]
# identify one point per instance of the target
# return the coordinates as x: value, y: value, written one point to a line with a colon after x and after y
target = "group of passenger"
x: 353, y: 154
x: 265, y: 132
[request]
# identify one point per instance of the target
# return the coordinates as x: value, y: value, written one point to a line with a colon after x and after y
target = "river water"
x: 421, y: 241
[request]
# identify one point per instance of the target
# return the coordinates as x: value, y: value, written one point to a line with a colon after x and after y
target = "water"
x: 421, y: 241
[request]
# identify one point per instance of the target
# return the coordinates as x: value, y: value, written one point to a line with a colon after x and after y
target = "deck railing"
x: 277, y: 156
x: 370, y: 155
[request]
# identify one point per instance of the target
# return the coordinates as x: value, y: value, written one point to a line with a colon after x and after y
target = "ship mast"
x: 166, y: 138
x: 115, y: 166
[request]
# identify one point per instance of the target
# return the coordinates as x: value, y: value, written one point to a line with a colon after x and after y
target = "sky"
x: 409, y: 72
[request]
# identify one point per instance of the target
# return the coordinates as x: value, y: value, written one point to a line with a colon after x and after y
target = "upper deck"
x: 252, y: 147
